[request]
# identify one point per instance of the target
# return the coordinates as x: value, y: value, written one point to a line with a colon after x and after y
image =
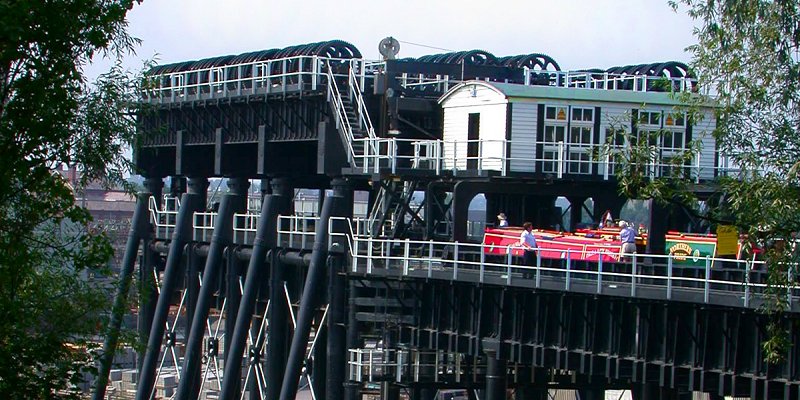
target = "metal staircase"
x: 352, y: 118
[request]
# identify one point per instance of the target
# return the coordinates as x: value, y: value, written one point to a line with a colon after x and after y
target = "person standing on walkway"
x: 628, y: 238
x: 528, y: 241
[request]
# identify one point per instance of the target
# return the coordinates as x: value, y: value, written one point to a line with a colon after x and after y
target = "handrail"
x: 236, y: 78
x: 203, y: 225
x: 165, y: 219
x: 454, y: 259
x: 355, y: 91
x: 340, y: 114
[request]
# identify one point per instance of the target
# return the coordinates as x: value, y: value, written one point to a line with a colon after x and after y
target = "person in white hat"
x: 503, y: 220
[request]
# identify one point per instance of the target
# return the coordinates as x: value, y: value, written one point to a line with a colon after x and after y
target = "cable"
x: 424, y: 45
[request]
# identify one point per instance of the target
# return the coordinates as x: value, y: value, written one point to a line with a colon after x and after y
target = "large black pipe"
x: 309, y: 302
x: 351, y: 388
x: 266, y: 239
x: 319, y: 367
x: 337, y: 331
x: 147, y: 267
x: 234, y: 201
x: 192, y: 201
x: 139, y: 227
x: 495, y: 377
x: 278, y: 329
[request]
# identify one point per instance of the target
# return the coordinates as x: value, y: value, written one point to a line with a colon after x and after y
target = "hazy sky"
x: 576, y: 33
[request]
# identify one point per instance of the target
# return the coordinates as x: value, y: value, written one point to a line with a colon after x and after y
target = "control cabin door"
x: 473, y: 141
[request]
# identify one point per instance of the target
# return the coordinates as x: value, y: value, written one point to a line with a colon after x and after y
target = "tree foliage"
x: 747, y: 60
x: 748, y: 57
x: 52, y: 299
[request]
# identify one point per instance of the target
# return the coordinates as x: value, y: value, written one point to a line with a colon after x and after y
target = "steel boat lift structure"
x: 260, y: 299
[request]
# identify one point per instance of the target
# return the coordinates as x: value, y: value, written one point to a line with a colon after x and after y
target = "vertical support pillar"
x: 310, y: 300
x: 591, y: 394
x: 138, y: 230
x: 337, y: 301
x: 266, y: 239
x: 319, y: 371
x: 234, y: 201
x: 575, y: 212
x: 495, y: 377
x: 194, y: 264
x: 192, y: 201
x: 337, y: 341
x: 651, y: 391
x: 351, y: 388
x: 278, y: 329
x: 657, y: 231
x: 147, y: 283
x: 233, y: 297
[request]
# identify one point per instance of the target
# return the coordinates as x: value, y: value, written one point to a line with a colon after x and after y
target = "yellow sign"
x: 727, y: 240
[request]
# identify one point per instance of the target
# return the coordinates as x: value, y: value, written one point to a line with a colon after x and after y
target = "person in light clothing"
x: 628, y: 238
x: 528, y: 241
x: 503, y: 221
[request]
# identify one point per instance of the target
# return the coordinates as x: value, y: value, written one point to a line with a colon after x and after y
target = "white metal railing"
x: 662, y: 273
x: 164, y: 219
x: 297, y: 231
x: 239, y: 79
x: 403, y: 365
x: 355, y: 93
x: 279, y: 74
x: 341, y: 118
x: 203, y: 226
x: 565, y: 79
x: 608, y: 81
x: 557, y: 157
x: 244, y: 227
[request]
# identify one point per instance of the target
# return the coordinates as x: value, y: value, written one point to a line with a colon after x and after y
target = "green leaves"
x: 747, y: 59
x: 53, y: 260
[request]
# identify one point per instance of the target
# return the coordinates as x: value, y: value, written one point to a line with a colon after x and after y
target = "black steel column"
x: 234, y: 201
x: 495, y: 377
x: 147, y: 268
x: 337, y: 302
x: 192, y: 201
x: 351, y: 388
x: 233, y: 296
x: 337, y: 342
x: 138, y: 230
x: 591, y: 394
x: 319, y: 368
x: 575, y: 213
x: 278, y: 329
x: 309, y: 302
x: 266, y: 239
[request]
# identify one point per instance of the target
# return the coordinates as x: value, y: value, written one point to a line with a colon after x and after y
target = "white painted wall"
x: 491, y: 106
x: 703, y: 131
x: 523, y: 136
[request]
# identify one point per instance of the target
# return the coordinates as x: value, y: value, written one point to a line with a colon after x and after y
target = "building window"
x: 568, y: 138
x: 580, y: 142
x: 555, y: 113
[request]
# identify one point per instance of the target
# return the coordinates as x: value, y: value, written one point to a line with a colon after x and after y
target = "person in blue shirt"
x: 628, y: 238
x: 528, y: 241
